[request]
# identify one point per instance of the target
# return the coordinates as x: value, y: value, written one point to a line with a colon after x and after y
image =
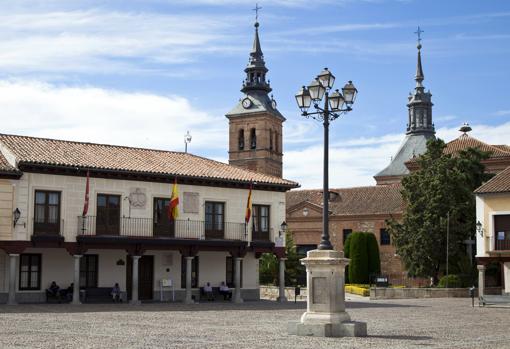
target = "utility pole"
x: 447, y: 243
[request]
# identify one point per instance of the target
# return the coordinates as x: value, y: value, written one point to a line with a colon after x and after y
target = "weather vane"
x: 256, y: 9
x: 418, y: 32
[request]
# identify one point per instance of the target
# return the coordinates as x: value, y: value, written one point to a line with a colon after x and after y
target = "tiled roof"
x: 497, y: 184
x: 465, y: 141
x: 380, y: 199
x: 32, y: 150
x: 5, y: 166
x: 503, y: 147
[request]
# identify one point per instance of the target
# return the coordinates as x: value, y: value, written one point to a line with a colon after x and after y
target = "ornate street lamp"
x: 335, y: 104
x: 479, y: 228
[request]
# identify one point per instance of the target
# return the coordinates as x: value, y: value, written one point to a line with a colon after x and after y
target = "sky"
x: 143, y: 72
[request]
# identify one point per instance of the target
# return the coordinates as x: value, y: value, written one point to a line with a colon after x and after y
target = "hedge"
x: 358, y: 253
x: 361, y: 291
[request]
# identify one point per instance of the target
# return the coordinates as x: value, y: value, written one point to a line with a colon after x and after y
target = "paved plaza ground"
x: 424, y: 323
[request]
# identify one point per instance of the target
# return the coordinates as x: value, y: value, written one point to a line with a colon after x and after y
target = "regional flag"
x: 86, y: 203
x: 173, y: 209
x: 247, y: 215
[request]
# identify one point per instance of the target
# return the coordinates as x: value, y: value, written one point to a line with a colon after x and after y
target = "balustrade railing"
x: 502, y: 245
x: 147, y: 228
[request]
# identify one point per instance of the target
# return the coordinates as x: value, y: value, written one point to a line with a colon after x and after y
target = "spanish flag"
x: 173, y: 209
x: 247, y: 215
x: 86, y: 202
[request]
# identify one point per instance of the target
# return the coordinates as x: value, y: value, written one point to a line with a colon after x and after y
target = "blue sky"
x: 142, y: 73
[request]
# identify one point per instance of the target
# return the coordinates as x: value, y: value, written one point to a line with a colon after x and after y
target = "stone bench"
x: 492, y: 300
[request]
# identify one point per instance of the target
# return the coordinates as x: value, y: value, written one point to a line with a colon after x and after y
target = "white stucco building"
x: 493, y: 225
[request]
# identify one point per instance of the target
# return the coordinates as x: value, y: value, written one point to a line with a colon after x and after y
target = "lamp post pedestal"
x: 325, y: 314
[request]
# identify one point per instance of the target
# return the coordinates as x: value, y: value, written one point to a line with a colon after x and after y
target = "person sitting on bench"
x: 208, y: 291
x: 225, y: 291
x: 116, y: 293
x: 53, y: 290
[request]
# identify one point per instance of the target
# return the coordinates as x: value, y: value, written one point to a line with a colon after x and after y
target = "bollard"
x: 472, y: 295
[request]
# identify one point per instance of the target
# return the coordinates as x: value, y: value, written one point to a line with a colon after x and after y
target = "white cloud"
x: 101, y: 41
x: 108, y: 116
x: 354, y: 162
x: 502, y: 113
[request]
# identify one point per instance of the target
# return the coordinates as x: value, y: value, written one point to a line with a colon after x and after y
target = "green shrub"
x: 347, y: 245
x: 374, y: 261
x: 358, y: 252
x: 454, y: 281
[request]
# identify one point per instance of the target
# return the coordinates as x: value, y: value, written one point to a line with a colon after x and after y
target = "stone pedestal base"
x: 325, y: 315
x: 343, y: 329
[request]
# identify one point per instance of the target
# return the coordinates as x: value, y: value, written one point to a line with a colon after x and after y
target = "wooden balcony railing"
x: 147, y: 228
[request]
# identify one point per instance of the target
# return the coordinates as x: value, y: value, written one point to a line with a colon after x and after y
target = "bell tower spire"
x: 420, y: 102
x: 255, y: 124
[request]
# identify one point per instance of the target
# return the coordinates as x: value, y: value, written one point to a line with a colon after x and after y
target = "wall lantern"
x: 16, y: 215
x: 479, y: 228
x: 283, y: 228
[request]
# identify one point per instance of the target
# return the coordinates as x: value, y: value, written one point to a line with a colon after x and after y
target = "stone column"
x: 13, y: 262
x: 506, y: 276
x: 76, y: 282
x: 281, y: 295
x: 134, y: 284
x: 189, y: 261
x: 237, y: 291
x: 481, y: 280
x: 325, y: 314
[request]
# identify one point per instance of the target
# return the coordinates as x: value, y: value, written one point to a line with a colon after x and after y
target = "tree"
x: 268, y: 269
x: 269, y: 265
x: 358, y: 252
x: 374, y: 260
x: 293, y: 267
x: 347, y: 250
x: 443, y: 186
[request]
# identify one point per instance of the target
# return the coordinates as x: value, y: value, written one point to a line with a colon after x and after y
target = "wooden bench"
x: 215, y: 294
x: 99, y: 295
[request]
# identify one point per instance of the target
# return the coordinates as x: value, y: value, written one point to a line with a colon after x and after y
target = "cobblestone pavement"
x: 424, y: 323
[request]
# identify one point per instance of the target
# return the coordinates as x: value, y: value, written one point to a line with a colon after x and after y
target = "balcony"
x: 147, y: 228
x: 502, y: 245
x: 44, y: 231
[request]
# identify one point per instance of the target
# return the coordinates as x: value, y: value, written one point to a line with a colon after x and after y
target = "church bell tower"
x: 255, y: 124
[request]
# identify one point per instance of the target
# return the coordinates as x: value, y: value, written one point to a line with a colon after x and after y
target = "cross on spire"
x: 256, y: 9
x: 418, y: 32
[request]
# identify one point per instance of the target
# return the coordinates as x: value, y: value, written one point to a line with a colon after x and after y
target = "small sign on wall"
x: 501, y: 235
x: 190, y: 204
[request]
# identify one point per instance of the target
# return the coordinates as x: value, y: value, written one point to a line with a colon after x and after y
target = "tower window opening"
x: 270, y: 140
x: 253, y: 139
x: 275, y: 141
x: 241, y: 139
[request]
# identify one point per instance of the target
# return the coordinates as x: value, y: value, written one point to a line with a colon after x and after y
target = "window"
x: 253, y: 139
x: 275, y: 141
x: 47, y: 212
x: 108, y: 214
x: 302, y: 250
x: 194, y: 272
x: 260, y: 222
x: 385, y: 237
x: 230, y: 275
x: 162, y: 225
x: 346, y: 233
x: 502, y: 231
x: 88, y: 270
x: 30, y: 272
x: 214, y: 219
x: 241, y: 139
x: 270, y: 140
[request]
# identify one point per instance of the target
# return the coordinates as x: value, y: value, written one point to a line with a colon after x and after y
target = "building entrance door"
x: 145, y: 277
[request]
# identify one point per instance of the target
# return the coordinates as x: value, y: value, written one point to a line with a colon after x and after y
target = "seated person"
x: 68, y: 292
x: 53, y: 290
x: 225, y: 291
x: 116, y: 293
x: 208, y: 291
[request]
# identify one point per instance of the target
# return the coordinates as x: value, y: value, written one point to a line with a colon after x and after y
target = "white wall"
x: 73, y: 192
